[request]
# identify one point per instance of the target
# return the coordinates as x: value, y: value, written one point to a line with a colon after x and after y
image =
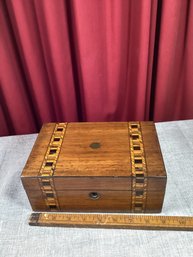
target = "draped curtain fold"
x: 82, y: 60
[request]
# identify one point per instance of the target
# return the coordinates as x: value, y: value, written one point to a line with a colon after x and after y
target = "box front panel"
x: 108, y: 201
x: 99, y: 201
x: 47, y: 195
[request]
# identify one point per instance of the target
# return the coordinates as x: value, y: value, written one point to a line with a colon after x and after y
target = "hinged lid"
x: 108, y: 149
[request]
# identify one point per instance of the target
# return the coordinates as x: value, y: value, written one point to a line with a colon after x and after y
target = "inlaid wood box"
x: 96, y: 167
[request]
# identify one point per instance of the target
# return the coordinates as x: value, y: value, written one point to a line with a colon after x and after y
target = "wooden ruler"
x: 184, y: 223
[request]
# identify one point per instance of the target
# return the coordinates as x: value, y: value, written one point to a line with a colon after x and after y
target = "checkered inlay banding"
x: 48, y: 167
x: 138, y: 168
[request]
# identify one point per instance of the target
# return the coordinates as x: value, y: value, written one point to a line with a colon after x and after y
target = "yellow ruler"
x: 126, y: 221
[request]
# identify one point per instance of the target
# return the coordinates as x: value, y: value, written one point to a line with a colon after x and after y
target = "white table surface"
x: 17, y: 238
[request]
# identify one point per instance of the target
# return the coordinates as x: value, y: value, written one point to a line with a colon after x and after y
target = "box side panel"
x: 156, y: 184
x: 154, y: 201
x: 30, y: 184
x: 153, y: 155
x: 36, y: 201
x: 35, y: 196
x: 38, y: 152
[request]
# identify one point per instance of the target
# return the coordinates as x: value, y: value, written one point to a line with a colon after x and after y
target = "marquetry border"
x: 49, y: 193
x: 138, y: 168
x: 48, y: 167
x: 52, y: 153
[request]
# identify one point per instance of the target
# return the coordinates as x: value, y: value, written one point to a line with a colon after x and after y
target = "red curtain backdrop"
x: 83, y: 60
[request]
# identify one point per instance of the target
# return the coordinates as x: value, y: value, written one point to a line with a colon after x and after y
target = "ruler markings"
x: 112, y: 221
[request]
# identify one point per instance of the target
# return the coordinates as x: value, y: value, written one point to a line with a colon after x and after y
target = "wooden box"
x: 99, y: 167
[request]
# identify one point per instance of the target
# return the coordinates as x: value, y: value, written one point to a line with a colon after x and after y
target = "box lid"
x: 107, y: 149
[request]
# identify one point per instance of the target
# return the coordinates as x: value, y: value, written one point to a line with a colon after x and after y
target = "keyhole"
x: 94, y: 195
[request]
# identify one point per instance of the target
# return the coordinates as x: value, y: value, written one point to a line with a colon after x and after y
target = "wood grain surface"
x: 94, y: 157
